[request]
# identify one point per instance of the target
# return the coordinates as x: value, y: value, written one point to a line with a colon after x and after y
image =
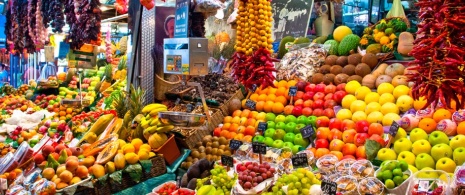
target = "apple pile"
x: 251, y: 174
x: 53, y: 128
x: 44, y: 100
x: 449, y: 121
x: 284, y: 131
x: 13, y: 102
x: 392, y: 173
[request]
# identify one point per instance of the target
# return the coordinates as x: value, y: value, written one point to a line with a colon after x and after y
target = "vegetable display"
x: 84, y: 23
x: 53, y: 15
x: 438, y: 66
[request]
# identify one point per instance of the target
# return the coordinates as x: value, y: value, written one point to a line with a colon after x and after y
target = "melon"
x: 331, y: 46
x: 340, y: 32
x: 394, y: 69
x: 108, y: 153
x: 400, y: 80
x: 369, y: 80
x: 383, y: 79
x: 349, y: 43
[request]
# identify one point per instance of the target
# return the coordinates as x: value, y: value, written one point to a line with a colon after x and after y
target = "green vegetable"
x: 331, y: 46
x: 348, y: 43
x: 371, y: 148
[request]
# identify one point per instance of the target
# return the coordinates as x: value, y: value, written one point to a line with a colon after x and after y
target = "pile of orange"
x: 272, y: 99
x: 241, y: 125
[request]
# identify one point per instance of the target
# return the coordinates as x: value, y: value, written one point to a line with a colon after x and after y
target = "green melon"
x: 348, y: 43
x: 331, y: 46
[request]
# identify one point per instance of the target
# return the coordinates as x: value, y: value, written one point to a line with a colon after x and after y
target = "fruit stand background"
x: 298, y: 11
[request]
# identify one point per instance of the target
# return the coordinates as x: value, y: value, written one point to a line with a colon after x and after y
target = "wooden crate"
x: 195, y: 136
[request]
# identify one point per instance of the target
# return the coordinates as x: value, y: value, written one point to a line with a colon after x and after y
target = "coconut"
x: 328, y: 78
x: 362, y: 69
x: 342, y: 61
x: 317, y: 78
x: 355, y: 58
x: 336, y: 69
x: 331, y: 60
x: 349, y: 70
x: 340, y: 78
x: 325, y: 69
x: 370, y: 59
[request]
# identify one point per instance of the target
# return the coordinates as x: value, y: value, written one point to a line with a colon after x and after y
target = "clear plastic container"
x: 459, y: 180
x: 361, y: 169
x: 327, y: 163
x: 343, y: 166
x: 427, y: 182
x: 347, y: 185
x: 286, y: 153
x: 310, y: 156
x: 242, y: 152
x: 370, y: 185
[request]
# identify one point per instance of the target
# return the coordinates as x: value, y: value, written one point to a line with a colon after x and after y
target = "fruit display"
x: 300, y: 181
x: 210, y: 148
x: 393, y: 173
x: 384, y: 36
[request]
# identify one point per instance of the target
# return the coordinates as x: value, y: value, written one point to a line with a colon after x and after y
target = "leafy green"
x: 371, y: 149
x: 134, y: 171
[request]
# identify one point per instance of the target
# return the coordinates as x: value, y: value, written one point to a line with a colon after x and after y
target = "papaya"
x: 120, y: 161
x: 98, y: 127
x: 156, y: 140
x: 99, y: 145
x: 108, y: 153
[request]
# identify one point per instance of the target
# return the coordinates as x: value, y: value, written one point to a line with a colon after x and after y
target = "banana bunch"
x: 151, y: 123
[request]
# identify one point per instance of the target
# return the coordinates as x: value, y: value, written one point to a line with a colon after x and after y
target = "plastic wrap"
x: 302, y: 62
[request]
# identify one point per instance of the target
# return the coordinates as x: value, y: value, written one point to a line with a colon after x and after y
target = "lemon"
x: 389, y: 117
x: 143, y: 154
x: 400, y: 90
x: 372, y: 97
x: 352, y: 86
x: 389, y: 107
x: 145, y: 146
x: 375, y: 117
x: 344, y: 114
x: 121, y: 143
x: 358, y: 105
x: 404, y: 102
x: 361, y: 92
x: 131, y: 158
x: 137, y: 143
x: 385, y: 98
x: 385, y: 88
x: 340, y: 32
x: 347, y: 100
x: 358, y: 116
x: 128, y: 148
x: 372, y: 107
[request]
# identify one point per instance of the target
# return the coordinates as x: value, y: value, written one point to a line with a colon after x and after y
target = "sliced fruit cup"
x: 346, y: 185
x: 310, y: 156
x: 361, y: 169
x: 243, y: 151
x: 286, y: 153
x: 370, y: 185
x: 459, y: 179
x: 327, y: 163
x: 343, y: 166
x: 435, y: 182
x: 285, y: 166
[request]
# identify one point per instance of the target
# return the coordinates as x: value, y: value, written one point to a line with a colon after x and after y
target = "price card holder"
x: 254, y: 88
x: 177, y: 101
x: 292, y: 93
x: 299, y: 160
x: 250, y: 103
x: 393, y: 129
x: 235, y: 144
x: 227, y: 161
x: 189, y: 107
x: 307, y: 131
x: 423, y: 185
x: 260, y: 149
x: 328, y: 187
x: 262, y: 126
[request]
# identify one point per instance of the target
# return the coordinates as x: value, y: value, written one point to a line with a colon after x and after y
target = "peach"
x: 68, y: 151
x: 348, y: 136
x: 38, y: 158
x: 60, y: 169
x: 349, y: 149
x: 62, y: 185
x: 47, y: 149
x: 55, y: 155
x: 75, y: 180
x: 335, y: 134
x: 48, y: 173
x: 323, y: 133
x: 72, y: 158
x: 348, y: 124
x: 336, y: 145
x: 360, y: 152
x: 82, y: 172
x: 59, y: 147
x: 66, y: 176
x: 72, y: 165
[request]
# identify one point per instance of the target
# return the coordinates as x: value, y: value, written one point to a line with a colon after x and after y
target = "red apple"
x: 336, y: 145
x: 329, y: 96
x: 329, y: 112
x: 348, y: 136
x: 360, y: 138
x: 330, y: 88
x: 321, y: 143
x: 338, y: 96
x: 335, y: 123
x: 349, y: 149
x: 341, y: 87
x: 335, y: 134
x: 347, y: 124
x: 310, y: 87
x: 318, y: 112
x: 322, y: 121
x: 308, y: 95
x: 362, y: 126
x: 319, y: 96
x: 307, y: 111
x: 320, y: 87
x: 297, y: 111
x: 378, y: 139
x: 318, y: 104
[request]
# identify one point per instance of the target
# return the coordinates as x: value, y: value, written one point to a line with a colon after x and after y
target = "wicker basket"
x: 216, y: 119
x: 191, y: 140
x: 126, y: 182
x: 158, y: 168
x: 225, y: 106
x: 162, y: 86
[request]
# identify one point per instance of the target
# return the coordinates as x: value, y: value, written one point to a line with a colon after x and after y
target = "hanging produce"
x: 121, y: 6
x: 53, y: 15
x: 84, y: 22
x: 438, y: 68
x: 11, y: 25
x: 108, y: 52
x: 40, y: 31
x: 31, y: 18
x: 252, y: 63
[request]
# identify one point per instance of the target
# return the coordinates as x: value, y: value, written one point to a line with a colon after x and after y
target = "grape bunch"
x: 298, y: 182
x: 221, y: 180
x: 202, y: 182
x: 251, y: 174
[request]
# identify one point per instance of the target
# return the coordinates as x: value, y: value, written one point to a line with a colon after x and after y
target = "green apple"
x: 280, y: 118
x: 269, y: 132
x: 441, y: 150
x: 296, y: 148
x: 290, y: 127
x: 279, y: 134
x: 280, y: 125
x: 302, y: 120
x: 258, y: 138
x: 268, y: 141
x: 291, y: 118
x: 402, y: 144
x: 446, y: 164
x: 401, y: 133
x: 407, y: 156
x: 418, y: 134
x: 312, y: 120
x: 270, y: 117
x: 289, y: 137
x: 271, y: 124
x: 438, y: 137
x: 424, y: 160
x: 387, y: 154
x: 298, y: 127
x: 288, y: 145
x: 412, y: 168
x: 427, y: 173
x: 299, y: 140
x: 421, y: 146
x: 278, y: 144
x: 459, y: 156
x: 457, y: 141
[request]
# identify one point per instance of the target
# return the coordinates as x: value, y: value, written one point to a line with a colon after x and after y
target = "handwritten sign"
x: 394, y: 128
x: 292, y: 91
x: 250, y: 103
x: 258, y: 148
x: 299, y: 160
x: 262, y: 126
x: 227, y: 161
x: 307, y: 131
x: 254, y: 88
x: 328, y: 187
x: 177, y: 101
x: 235, y: 144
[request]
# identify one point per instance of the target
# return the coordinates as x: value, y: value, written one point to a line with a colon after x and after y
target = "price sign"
x: 394, y: 128
x: 189, y: 107
x: 227, y: 161
x: 328, y: 187
x: 292, y: 91
x: 250, y: 103
x: 254, y: 88
x: 299, y: 160
x: 307, y: 131
x: 258, y: 148
x: 262, y: 126
x: 177, y: 101
x: 235, y: 144
x: 198, y: 104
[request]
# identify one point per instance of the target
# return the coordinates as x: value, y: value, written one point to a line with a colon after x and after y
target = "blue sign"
x: 63, y: 50
x: 181, y: 24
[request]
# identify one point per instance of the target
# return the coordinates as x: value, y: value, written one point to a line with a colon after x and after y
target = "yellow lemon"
x: 145, y: 146
x: 358, y: 105
x: 375, y: 117
x: 352, y: 86
x: 361, y: 92
x: 128, y: 148
x: 404, y: 102
x: 400, y: 90
x: 372, y: 107
x: 385, y: 88
x: 344, y: 114
x: 131, y: 158
x: 121, y: 143
x: 372, y: 97
x: 143, y: 154
x: 385, y: 98
x: 389, y: 107
x: 389, y: 117
x: 358, y: 116
x: 137, y: 143
x: 347, y: 100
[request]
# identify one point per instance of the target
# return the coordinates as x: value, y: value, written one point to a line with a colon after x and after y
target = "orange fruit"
x: 440, y: 114
x: 227, y: 119
x: 281, y: 99
x: 271, y: 90
x: 247, y: 138
x: 278, y: 108
x: 226, y: 126
x: 288, y: 109
x: 321, y: 152
x: 427, y: 124
x: 271, y: 97
x: 262, y: 97
x: 282, y: 83
x: 224, y: 133
x: 291, y: 83
x: 268, y: 106
x: 461, y: 128
x: 338, y: 154
x: 243, y: 103
x: 259, y: 106
x: 233, y: 127
x: 264, y: 91
x: 281, y: 91
x: 254, y: 97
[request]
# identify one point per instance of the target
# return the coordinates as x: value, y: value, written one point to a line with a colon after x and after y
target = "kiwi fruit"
x: 317, y: 78
x: 349, y: 70
x: 325, y: 69
x: 362, y: 69
x: 354, y: 58
x: 370, y: 59
x: 328, y: 78
x: 342, y: 61
x: 355, y: 77
x: 336, y: 69
x: 331, y: 60
x: 340, y: 78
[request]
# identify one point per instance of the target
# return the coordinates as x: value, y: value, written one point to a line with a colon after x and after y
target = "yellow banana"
x: 164, y: 129
x: 150, y: 107
x: 154, y: 121
x: 150, y: 130
x: 154, y: 112
x: 145, y: 123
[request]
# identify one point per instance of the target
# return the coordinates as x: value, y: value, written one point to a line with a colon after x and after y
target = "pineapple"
x: 119, y: 104
x: 120, y: 74
x: 135, y: 103
x: 108, y: 78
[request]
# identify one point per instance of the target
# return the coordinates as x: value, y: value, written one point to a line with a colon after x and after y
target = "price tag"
x: 307, y: 131
x: 227, y: 161
x: 251, y: 104
x: 328, y: 187
x: 262, y: 126
x: 394, y: 128
x: 423, y: 186
x: 254, y: 88
x: 258, y: 148
x: 198, y: 104
x: 189, y: 107
x: 177, y: 101
x: 300, y: 160
x: 235, y: 144
x: 292, y: 91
